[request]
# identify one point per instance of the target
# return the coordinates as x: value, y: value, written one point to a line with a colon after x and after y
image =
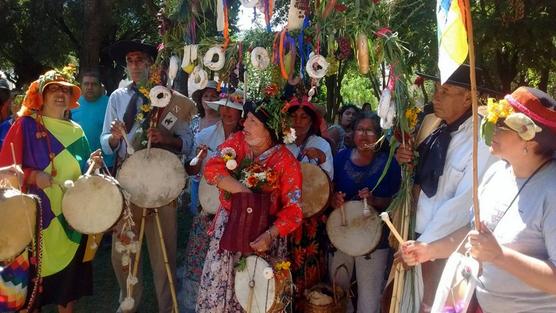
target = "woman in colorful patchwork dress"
x: 356, y: 174
x: 259, y: 144
x: 207, y: 140
x: 516, y: 242
x: 51, y: 150
x: 308, y: 242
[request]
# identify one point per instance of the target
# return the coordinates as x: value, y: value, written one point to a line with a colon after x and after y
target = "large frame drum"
x: 360, y: 234
x: 209, y: 196
x: 18, y: 222
x: 93, y: 204
x: 316, y: 191
x: 152, y: 180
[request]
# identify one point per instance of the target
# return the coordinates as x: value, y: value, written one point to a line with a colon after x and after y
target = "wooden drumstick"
x: 386, y: 219
x: 366, y: 210
x: 343, y: 214
x: 90, y: 169
x: 195, y: 160
x: 129, y: 147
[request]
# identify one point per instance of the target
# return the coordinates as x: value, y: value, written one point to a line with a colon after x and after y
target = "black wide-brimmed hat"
x: 121, y: 48
x: 461, y: 78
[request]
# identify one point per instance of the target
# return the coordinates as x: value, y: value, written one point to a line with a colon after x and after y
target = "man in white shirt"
x: 122, y: 119
x: 444, y: 172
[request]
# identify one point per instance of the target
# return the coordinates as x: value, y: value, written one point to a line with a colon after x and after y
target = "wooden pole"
x: 474, y: 105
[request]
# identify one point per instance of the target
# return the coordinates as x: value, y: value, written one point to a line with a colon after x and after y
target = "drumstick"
x: 129, y: 148
x: 386, y: 219
x: 15, y: 166
x: 343, y: 214
x: 366, y: 210
x: 196, y: 158
x: 90, y: 169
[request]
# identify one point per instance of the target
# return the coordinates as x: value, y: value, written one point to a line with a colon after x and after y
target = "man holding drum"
x: 444, y: 171
x: 121, y: 120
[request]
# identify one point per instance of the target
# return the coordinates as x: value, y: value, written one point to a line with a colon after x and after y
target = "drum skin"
x: 315, y: 189
x: 18, y: 222
x: 270, y: 290
x: 361, y: 234
x: 209, y: 196
x: 152, y: 181
x: 93, y: 205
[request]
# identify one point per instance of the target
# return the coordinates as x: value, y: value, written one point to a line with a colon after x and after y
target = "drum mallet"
x: 386, y: 219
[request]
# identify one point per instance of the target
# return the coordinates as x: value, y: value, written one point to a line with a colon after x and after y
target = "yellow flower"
x: 411, y: 115
x: 139, y: 117
x: 145, y: 108
x: 144, y: 91
x: 498, y: 109
x: 283, y: 265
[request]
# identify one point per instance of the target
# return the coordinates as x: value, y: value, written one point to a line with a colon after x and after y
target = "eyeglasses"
x: 366, y: 132
x: 500, y: 125
x: 55, y: 88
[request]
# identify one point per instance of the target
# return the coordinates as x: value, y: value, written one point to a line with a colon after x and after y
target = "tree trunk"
x: 98, y: 20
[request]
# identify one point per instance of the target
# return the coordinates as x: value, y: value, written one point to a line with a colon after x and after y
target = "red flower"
x: 271, y: 90
x: 252, y: 181
x: 340, y: 7
x: 419, y: 81
x: 298, y: 257
x: 383, y: 32
x: 311, y: 249
x: 311, y: 229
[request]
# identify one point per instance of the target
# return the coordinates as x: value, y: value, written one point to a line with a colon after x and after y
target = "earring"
x: 525, y: 150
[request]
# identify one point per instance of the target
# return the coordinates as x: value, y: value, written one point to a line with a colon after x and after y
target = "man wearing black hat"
x: 120, y: 120
x: 444, y: 171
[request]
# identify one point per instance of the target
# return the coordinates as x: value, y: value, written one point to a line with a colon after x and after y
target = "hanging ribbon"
x: 226, y: 26
x: 281, y: 49
x: 392, y: 78
x: 268, y: 8
x: 300, y: 41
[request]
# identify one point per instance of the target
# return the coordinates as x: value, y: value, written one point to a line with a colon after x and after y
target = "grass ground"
x: 105, y: 297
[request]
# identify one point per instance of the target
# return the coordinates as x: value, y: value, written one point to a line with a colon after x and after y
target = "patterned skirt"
x: 216, y: 293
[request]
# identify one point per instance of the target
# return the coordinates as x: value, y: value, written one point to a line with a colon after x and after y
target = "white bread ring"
x: 160, y: 96
x: 249, y: 3
x: 219, y: 64
x: 198, y: 78
x: 312, y: 65
x: 260, y: 58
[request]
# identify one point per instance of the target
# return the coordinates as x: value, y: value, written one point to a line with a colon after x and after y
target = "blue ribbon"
x: 300, y: 39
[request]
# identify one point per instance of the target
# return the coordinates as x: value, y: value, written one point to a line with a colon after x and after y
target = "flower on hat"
x: 523, y: 125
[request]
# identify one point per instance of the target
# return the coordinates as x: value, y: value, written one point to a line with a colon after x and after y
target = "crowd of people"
x: 516, y: 241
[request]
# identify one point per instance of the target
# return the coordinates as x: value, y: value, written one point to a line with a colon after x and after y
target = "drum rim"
x: 337, y: 212
x: 21, y: 247
x: 153, y: 204
x: 204, y: 181
x: 330, y: 191
x: 85, y: 231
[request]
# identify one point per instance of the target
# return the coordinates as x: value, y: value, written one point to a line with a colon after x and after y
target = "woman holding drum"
x: 307, y: 243
x: 276, y: 199
x: 206, y: 144
x: 356, y: 174
x: 51, y: 150
x: 206, y: 117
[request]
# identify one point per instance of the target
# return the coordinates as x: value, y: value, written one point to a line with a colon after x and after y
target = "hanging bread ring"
x: 209, y: 56
x: 260, y: 58
x: 316, y: 66
x: 160, y: 96
x: 249, y: 3
x: 198, y: 79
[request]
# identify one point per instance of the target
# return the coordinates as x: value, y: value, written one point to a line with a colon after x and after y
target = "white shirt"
x: 117, y: 105
x: 212, y: 137
x: 448, y: 210
x: 320, y: 143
